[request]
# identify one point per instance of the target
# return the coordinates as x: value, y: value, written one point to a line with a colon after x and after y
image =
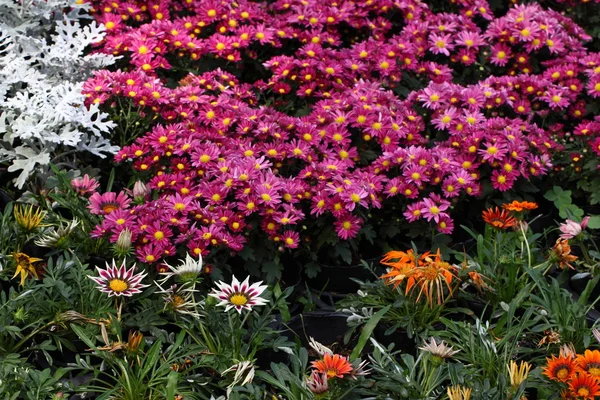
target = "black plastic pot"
x: 4, y: 199
x: 97, y: 261
x: 480, y: 309
x: 337, y: 279
x: 325, y: 327
x: 65, y: 357
x: 399, y: 338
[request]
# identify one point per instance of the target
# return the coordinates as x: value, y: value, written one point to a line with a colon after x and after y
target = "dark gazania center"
x: 593, y: 368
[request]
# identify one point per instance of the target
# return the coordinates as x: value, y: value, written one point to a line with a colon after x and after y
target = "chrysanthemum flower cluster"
x: 332, y: 129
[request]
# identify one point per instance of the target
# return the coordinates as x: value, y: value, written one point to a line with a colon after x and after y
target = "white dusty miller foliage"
x: 42, y: 70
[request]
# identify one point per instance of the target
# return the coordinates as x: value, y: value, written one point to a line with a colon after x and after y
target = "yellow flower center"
x: 178, y: 301
x: 562, y: 373
x: 584, y: 392
x: 595, y: 370
x: 118, y: 285
x: 331, y: 373
x: 108, y: 208
x: 238, y: 299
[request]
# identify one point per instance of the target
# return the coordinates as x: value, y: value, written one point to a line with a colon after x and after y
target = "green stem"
x: 234, y: 336
x: 586, y: 254
x: 32, y: 334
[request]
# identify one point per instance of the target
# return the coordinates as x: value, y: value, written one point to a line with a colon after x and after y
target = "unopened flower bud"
x: 123, y: 244
x: 521, y: 226
x: 19, y: 315
x: 140, y: 191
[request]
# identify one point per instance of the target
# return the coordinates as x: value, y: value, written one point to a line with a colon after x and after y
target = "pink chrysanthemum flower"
x: 84, y: 185
x: 347, y: 226
x: 241, y: 296
x: 119, y: 281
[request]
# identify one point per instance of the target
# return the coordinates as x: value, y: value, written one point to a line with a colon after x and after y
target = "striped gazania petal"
x: 241, y: 296
x: 119, y: 281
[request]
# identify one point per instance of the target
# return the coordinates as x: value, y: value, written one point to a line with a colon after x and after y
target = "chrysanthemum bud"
x: 123, y: 244
x: 140, y: 191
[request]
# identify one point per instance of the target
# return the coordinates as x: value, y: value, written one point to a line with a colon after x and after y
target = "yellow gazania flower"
x: 459, y: 393
x: 27, y: 219
x: 25, y: 266
x: 518, y: 372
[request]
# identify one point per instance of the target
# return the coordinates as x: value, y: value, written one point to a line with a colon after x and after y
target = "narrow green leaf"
x: 83, y: 336
x: 111, y: 180
x: 171, y: 387
x: 282, y: 305
x: 367, y: 331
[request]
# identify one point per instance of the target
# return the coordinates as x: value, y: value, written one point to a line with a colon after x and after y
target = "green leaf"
x: 171, y: 388
x: 594, y: 222
x: 368, y: 233
x: 344, y: 252
x: 558, y: 195
x: 111, y: 180
x: 83, y: 336
x: 283, y: 308
x: 272, y: 270
x: 570, y: 211
x: 367, y: 331
x: 312, y: 269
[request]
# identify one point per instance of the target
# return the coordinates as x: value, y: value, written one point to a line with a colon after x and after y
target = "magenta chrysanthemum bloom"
x: 119, y: 281
x: 241, y: 296
x: 84, y: 185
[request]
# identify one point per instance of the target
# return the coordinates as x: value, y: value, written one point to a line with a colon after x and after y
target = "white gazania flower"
x: 57, y: 237
x: 239, y: 295
x: 119, y: 281
x: 318, y: 347
x: 187, y: 269
x: 180, y: 299
x: 441, y: 350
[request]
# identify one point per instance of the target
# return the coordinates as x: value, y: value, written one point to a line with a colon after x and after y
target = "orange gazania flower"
x: 584, y: 386
x: 560, y: 368
x: 500, y: 219
x: 333, y: 366
x: 561, y: 254
x: 402, y: 267
x: 589, y: 362
x: 519, y: 206
x: 479, y: 281
x: 431, y: 277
